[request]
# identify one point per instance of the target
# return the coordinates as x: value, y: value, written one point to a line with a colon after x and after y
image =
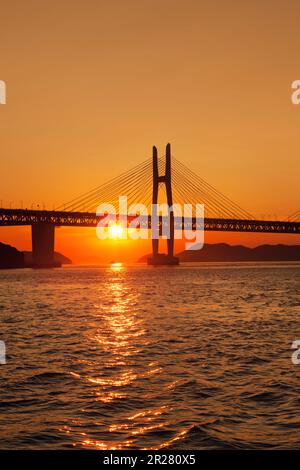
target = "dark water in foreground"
x: 187, y: 357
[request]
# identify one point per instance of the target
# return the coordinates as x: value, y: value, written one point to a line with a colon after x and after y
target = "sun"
x: 116, y: 231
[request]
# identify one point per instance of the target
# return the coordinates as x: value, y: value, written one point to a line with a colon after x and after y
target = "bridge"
x: 142, y: 185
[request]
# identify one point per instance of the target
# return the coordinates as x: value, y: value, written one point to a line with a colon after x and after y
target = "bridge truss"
x: 15, y: 217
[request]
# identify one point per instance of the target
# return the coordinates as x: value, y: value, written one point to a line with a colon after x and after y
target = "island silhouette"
x: 10, y: 257
x: 222, y: 252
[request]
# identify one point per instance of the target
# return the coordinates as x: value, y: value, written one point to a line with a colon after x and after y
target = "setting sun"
x: 116, y: 231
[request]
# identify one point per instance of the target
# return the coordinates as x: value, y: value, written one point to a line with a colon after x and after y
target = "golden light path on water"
x: 120, y: 328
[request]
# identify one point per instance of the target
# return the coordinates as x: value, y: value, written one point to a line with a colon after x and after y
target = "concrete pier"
x: 43, y: 245
x: 161, y: 259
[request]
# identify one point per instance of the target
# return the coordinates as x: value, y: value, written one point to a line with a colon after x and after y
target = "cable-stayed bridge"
x: 157, y: 179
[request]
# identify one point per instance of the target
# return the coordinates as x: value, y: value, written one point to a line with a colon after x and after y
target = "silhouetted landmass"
x: 58, y: 258
x: 10, y: 257
x: 222, y: 252
x: 62, y: 259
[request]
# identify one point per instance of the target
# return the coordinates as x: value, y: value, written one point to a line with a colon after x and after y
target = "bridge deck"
x: 15, y: 217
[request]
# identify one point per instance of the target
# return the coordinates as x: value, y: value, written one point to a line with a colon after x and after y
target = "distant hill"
x: 10, y: 257
x: 222, y: 252
x: 58, y: 258
x: 62, y: 259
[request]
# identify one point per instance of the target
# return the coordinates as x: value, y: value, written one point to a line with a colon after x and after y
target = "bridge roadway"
x: 17, y: 217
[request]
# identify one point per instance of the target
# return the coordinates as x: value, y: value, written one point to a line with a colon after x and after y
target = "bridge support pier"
x: 160, y: 258
x: 42, y: 235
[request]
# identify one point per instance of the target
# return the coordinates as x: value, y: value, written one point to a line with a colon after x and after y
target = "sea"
x: 194, y: 356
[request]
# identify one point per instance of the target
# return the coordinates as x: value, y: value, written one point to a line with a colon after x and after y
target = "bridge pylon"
x: 166, y: 179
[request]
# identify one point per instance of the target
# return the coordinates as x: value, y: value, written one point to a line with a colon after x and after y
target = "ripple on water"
x: 144, y: 358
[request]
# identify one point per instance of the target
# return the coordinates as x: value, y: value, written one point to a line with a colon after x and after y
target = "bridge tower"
x: 166, y: 179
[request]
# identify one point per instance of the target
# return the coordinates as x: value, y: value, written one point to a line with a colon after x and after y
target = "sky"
x: 92, y: 85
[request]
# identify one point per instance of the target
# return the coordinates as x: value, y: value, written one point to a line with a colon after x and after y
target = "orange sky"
x: 92, y: 85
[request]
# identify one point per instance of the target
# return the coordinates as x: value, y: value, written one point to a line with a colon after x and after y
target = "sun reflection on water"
x: 118, y: 369
x: 116, y: 266
x: 118, y: 339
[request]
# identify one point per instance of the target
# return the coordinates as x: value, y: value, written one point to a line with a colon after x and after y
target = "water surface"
x: 139, y: 357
